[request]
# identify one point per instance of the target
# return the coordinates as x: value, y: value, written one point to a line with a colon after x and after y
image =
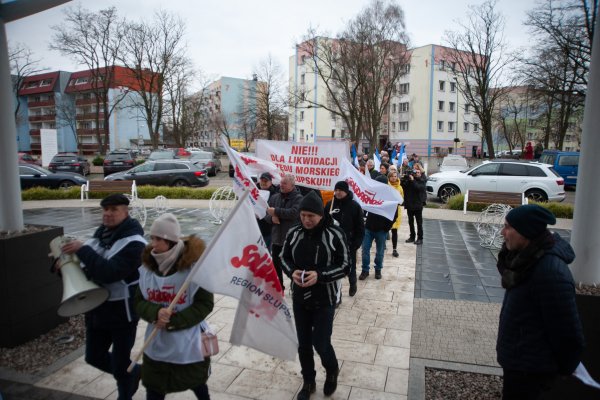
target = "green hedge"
x: 98, y: 161
x: 144, y: 192
x: 560, y: 210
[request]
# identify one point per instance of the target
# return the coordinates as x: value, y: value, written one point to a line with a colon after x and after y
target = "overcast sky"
x: 230, y: 37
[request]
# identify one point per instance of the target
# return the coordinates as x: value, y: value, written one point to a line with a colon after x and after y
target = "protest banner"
x: 314, y: 165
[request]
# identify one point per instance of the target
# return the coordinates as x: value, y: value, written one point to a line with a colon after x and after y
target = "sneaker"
x: 308, y: 388
x: 419, y: 241
x: 330, y: 382
x: 377, y: 274
x: 363, y: 275
x: 409, y: 240
x: 395, y: 253
x: 352, y: 290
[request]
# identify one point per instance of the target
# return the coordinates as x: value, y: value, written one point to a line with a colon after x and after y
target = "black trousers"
x: 418, y: 215
x: 520, y: 385
x: 275, y: 253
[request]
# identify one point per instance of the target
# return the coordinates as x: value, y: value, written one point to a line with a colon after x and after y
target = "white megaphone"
x: 79, y: 294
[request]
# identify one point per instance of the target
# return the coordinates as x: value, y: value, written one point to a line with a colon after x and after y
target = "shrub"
x: 144, y: 192
x: 98, y: 161
x: 560, y: 210
x: 139, y: 161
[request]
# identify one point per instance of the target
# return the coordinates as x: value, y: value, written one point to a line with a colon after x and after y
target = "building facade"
x: 426, y: 111
x: 228, y: 110
x: 66, y: 102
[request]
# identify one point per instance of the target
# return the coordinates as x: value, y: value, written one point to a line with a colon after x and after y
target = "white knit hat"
x: 166, y: 227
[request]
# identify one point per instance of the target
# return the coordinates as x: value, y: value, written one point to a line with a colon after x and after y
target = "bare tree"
x: 568, y: 26
x: 177, y: 86
x: 359, y: 69
x: 150, y: 51
x: 264, y: 101
x: 66, y: 116
x: 509, y: 119
x: 93, y: 39
x: 480, y: 59
x: 22, y: 64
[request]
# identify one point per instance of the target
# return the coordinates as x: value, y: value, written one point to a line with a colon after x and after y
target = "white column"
x: 11, y: 213
x: 585, y: 237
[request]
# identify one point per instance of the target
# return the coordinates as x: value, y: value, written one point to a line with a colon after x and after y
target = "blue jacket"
x: 539, y: 328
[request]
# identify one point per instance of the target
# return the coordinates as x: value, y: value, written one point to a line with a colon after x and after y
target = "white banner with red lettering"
x: 242, y: 181
x: 314, y: 165
x: 257, y: 166
x: 376, y: 197
x: 240, y: 266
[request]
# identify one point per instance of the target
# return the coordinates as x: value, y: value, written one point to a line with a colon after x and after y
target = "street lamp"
x: 456, y: 139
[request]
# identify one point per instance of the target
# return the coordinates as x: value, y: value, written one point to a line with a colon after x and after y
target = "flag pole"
x: 188, y: 280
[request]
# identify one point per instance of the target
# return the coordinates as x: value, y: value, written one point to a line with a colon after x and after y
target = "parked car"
x: 212, y: 163
x: 231, y: 164
x: 453, y: 163
x: 219, y: 151
x: 181, y: 153
x: 25, y: 158
x: 566, y: 163
x: 118, y: 160
x: 33, y: 175
x: 164, y: 173
x: 162, y: 155
x: 69, y: 162
x: 538, y: 181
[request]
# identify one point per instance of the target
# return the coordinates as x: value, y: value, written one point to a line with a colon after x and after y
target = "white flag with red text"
x: 242, y: 181
x: 257, y: 166
x: 240, y: 266
x: 373, y: 196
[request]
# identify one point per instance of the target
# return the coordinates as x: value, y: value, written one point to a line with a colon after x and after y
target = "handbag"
x: 210, y: 342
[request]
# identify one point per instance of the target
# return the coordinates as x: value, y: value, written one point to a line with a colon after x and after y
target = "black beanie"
x: 530, y: 220
x: 312, y: 203
x: 343, y: 186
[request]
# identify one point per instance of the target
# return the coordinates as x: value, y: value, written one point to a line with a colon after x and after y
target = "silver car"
x: 210, y: 161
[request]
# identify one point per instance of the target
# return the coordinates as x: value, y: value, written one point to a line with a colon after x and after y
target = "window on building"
x: 450, y: 126
x: 404, y: 107
x: 404, y: 88
x: 302, y: 79
x: 442, y: 86
x: 440, y: 105
x: 302, y: 134
x: 302, y: 96
x: 568, y: 138
x: 301, y: 115
x: 343, y: 133
x: 46, y: 82
x: 82, y: 81
x: 453, y: 66
x: 332, y: 116
x: 442, y: 65
x: 453, y: 87
x: 451, y: 106
x: 475, y: 127
x: 403, y: 126
x: 467, y: 108
x: 32, y: 84
x: 393, y: 108
x: 466, y: 127
x: 406, y: 68
x: 531, y: 123
x: 440, y: 126
x: 393, y: 127
x: 303, y: 58
x: 333, y: 133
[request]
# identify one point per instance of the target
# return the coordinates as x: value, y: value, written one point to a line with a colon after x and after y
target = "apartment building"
x: 226, y: 109
x: 66, y: 102
x: 426, y: 111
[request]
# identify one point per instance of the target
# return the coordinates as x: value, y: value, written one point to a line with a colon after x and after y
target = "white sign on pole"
x: 49, y: 144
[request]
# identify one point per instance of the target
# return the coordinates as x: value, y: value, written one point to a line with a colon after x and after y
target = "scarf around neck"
x: 516, y: 266
x: 167, y: 259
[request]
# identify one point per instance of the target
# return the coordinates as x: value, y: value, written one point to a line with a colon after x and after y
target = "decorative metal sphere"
x: 161, y: 203
x: 490, y: 223
x: 137, y: 210
x: 221, y: 202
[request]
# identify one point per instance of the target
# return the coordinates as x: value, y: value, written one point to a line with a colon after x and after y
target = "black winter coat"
x: 539, y: 328
x: 350, y: 216
x: 376, y: 222
x: 415, y: 193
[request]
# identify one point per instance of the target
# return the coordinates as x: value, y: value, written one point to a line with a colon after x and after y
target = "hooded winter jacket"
x: 349, y: 215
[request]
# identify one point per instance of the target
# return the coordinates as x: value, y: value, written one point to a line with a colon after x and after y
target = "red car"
x: 181, y: 152
x: 25, y: 158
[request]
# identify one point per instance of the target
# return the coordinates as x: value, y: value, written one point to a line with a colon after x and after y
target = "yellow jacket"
x: 399, y: 189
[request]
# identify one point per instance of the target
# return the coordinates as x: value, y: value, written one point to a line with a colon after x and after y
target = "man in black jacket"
x: 111, y: 259
x: 315, y: 256
x: 282, y: 214
x: 376, y: 228
x: 539, y: 334
x: 349, y: 216
x: 265, y: 182
x: 415, y: 195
